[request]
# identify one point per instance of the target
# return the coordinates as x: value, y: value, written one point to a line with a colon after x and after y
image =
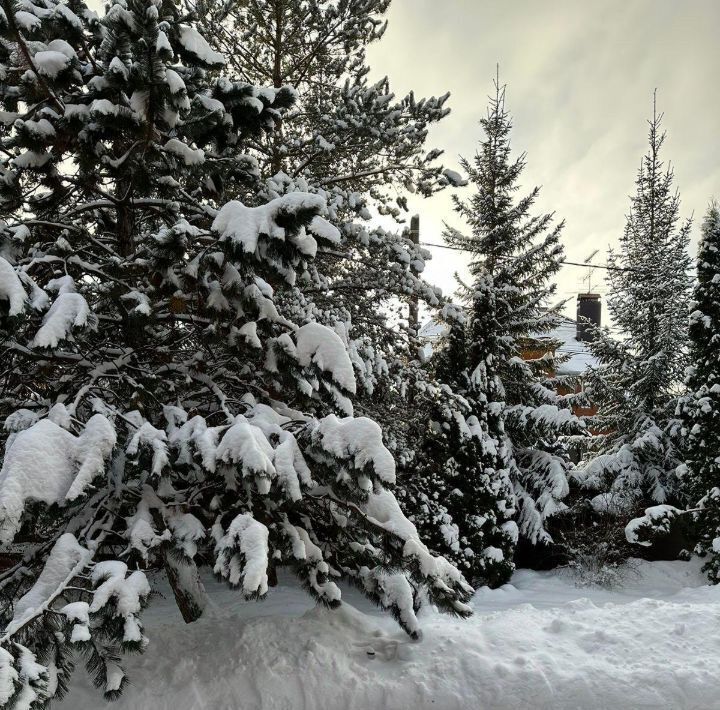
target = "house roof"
x: 432, y: 330
x: 579, y: 356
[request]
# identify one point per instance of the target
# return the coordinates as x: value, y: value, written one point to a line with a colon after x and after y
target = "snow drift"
x: 538, y: 643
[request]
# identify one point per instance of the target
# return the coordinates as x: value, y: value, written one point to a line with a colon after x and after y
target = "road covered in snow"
x: 539, y: 642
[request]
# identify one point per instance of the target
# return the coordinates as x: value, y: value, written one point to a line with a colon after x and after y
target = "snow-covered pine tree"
x: 640, y: 377
x: 700, y: 409
x: 513, y: 257
x: 363, y: 149
x: 159, y: 409
x: 343, y: 132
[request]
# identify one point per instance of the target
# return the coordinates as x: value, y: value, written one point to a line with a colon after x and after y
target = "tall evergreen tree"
x: 700, y: 410
x: 350, y: 140
x: 520, y: 466
x: 641, y: 373
x: 161, y: 408
x: 364, y: 150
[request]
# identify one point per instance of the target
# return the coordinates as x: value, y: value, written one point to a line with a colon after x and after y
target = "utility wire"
x: 565, y: 263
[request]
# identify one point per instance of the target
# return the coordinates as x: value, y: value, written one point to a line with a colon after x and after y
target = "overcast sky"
x: 580, y: 76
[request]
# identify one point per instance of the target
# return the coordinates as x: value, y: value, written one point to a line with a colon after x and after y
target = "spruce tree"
x: 700, y: 410
x: 641, y: 372
x: 161, y: 408
x: 513, y: 257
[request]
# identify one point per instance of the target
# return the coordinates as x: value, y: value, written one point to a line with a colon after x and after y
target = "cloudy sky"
x: 580, y: 76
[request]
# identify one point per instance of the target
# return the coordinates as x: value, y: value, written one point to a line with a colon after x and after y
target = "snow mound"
x: 589, y: 649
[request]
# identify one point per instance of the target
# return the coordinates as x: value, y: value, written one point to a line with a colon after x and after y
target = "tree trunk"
x: 125, y: 222
x: 189, y: 591
x: 277, y: 83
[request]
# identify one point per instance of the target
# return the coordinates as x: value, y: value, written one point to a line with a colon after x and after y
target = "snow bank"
x: 538, y: 643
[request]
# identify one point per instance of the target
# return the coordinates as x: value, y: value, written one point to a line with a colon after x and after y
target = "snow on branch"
x: 11, y: 289
x: 156, y: 439
x: 546, y: 416
x: 314, y: 568
x: 243, y: 226
x: 656, y: 521
x: 127, y: 590
x: 48, y: 463
x: 242, y: 555
x: 194, y: 44
x: 246, y: 445
x: 69, y: 310
x: 383, y: 509
x: 359, y: 441
x: 66, y: 560
x: 321, y: 346
x: 392, y: 590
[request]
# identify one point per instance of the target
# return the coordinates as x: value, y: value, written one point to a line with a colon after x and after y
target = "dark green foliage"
x: 637, y: 385
x: 700, y: 409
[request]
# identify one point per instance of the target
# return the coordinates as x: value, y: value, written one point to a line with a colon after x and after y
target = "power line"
x: 565, y: 263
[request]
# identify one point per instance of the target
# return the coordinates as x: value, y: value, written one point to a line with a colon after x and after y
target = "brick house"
x: 569, y: 338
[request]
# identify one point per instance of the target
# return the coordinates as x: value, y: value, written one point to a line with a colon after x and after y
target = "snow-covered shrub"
x: 601, y: 566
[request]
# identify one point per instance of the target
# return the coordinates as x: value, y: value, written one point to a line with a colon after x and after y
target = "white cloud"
x: 580, y: 77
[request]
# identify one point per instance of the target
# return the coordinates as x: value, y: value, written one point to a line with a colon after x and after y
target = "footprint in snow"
x: 384, y: 648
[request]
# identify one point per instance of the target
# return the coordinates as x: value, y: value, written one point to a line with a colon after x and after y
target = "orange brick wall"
x: 536, y: 354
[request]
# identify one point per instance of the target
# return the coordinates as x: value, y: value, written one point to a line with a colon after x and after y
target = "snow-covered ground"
x: 540, y: 642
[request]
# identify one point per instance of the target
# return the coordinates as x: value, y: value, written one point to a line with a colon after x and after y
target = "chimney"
x: 588, y: 315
